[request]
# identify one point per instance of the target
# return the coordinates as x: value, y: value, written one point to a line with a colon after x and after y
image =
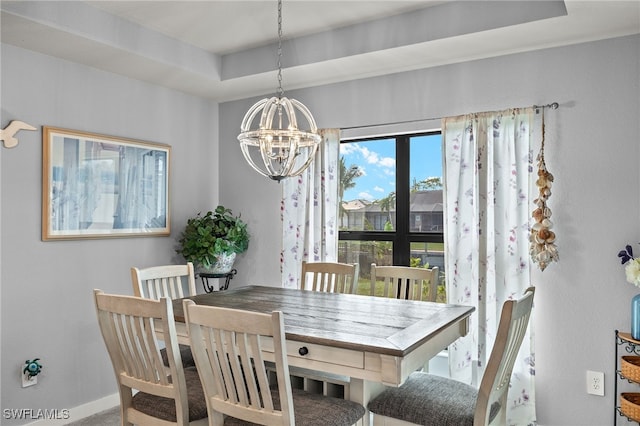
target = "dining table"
x: 375, y: 341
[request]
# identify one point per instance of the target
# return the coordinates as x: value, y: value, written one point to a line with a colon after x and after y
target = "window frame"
x: 401, y: 237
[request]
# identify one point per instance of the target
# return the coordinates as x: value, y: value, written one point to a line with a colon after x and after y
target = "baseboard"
x: 82, y: 411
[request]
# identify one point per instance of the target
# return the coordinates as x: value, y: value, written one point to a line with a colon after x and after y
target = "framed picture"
x: 98, y: 186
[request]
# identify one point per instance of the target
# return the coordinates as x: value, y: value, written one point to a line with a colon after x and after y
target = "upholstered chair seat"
x: 314, y: 410
x: 165, y: 408
x: 185, y: 353
x: 429, y: 400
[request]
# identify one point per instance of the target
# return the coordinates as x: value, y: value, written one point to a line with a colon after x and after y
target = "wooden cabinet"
x: 627, y: 404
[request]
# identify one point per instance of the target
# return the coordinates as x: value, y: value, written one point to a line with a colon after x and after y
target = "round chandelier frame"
x: 276, y: 147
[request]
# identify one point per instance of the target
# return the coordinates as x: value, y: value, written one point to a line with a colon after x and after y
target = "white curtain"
x: 488, y: 165
x: 310, y: 211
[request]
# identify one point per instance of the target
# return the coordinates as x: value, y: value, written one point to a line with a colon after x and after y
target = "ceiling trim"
x: 443, y: 33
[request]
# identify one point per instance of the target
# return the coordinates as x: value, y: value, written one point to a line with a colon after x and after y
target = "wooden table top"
x: 370, y: 324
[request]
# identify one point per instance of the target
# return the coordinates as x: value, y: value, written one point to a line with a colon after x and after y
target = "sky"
x: 376, y: 160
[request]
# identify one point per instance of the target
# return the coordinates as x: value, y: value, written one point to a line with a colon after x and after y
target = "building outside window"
x: 391, y: 206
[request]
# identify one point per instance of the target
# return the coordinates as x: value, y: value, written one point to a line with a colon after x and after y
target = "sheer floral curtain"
x: 309, y: 212
x: 488, y: 165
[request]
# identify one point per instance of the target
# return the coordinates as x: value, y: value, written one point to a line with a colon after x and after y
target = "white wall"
x: 46, y: 287
x: 592, y: 148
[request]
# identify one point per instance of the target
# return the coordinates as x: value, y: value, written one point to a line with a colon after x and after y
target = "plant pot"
x: 223, y: 265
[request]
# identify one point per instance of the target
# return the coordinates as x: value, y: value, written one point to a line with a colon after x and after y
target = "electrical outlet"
x: 595, y: 383
x: 27, y: 380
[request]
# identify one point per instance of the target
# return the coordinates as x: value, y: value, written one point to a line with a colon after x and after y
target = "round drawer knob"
x: 303, y: 351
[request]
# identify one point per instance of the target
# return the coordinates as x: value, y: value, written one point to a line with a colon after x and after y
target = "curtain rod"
x: 553, y: 105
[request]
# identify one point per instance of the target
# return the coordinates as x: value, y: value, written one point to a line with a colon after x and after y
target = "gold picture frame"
x: 99, y: 186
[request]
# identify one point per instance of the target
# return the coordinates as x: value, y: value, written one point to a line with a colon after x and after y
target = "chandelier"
x: 276, y: 147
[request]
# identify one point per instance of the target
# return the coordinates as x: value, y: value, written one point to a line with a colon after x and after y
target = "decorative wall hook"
x: 7, y: 134
x: 32, y: 367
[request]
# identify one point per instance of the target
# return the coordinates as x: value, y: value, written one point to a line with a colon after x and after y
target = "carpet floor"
x: 110, y: 417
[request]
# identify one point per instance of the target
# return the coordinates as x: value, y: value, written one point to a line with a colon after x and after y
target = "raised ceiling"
x: 226, y: 50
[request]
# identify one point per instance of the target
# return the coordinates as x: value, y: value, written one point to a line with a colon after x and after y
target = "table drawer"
x: 310, y: 351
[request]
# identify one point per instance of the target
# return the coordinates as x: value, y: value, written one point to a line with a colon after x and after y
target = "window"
x: 391, y: 207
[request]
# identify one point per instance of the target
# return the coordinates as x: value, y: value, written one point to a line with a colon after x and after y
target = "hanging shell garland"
x: 542, y: 240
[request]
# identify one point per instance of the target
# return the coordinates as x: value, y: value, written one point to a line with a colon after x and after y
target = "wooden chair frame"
x: 333, y: 277
x: 228, y: 343
x: 164, y: 281
x: 494, y: 385
x: 128, y: 326
x: 156, y: 282
x: 230, y: 347
x: 404, y: 282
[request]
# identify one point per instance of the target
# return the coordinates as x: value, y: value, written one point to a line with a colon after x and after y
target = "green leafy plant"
x: 206, y: 237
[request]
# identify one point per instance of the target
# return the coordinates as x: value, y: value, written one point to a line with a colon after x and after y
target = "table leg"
x: 363, y: 391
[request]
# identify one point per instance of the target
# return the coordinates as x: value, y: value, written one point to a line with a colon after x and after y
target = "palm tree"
x: 426, y: 184
x: 347, y: 181
x: 387, y: 204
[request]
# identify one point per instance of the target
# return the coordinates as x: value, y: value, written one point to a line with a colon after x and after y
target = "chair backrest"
x: 164, y: 281
x: 331, y: 277
x: 227, y: 345
x: 404, y: 282
x: 127, y: 324
x: 495, y: 380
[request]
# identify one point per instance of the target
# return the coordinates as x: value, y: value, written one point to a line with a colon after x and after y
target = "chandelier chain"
x: 276, y: 147
x: 280, y: 90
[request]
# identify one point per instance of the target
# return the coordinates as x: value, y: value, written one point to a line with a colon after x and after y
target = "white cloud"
x: 387, y: 162
x: 369, y: 156
x: 366, y: 196
x: 348, y: 148
x: 378, y: 189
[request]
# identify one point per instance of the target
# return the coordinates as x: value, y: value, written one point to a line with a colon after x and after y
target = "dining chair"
x: 229, y: 346
x: 332, y: 277
x: 173, y: 282
x: 429, y: 400
x: 165, y: 395
x: 404, y: 282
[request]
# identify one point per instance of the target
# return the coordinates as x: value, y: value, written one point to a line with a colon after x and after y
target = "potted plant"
x: 211, y: 242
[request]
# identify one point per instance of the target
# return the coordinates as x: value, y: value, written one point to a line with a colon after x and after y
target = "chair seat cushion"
x: 430, y: 400
x: 165, y: 408
x: 314, y: 410
x: 185, y: 353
